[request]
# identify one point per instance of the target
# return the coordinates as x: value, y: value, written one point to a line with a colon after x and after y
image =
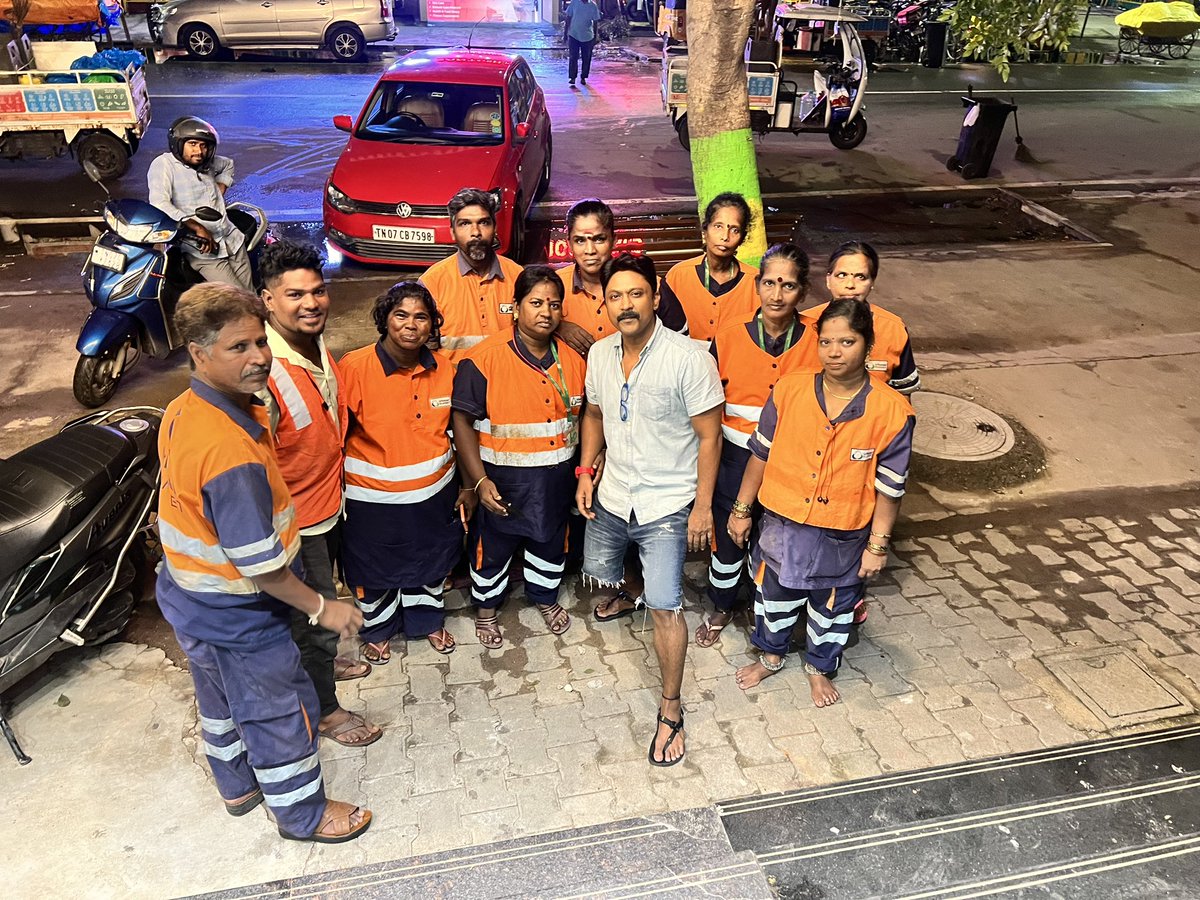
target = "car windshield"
x: 423, y: 112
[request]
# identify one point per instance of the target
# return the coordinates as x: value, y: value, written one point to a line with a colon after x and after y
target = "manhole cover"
x: 1116, y: 686
x: 953, y: 428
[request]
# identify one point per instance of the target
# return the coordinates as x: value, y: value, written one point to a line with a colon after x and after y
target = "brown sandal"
x: 487, y: 630
x: 335, y: 827
x: 442, y: 641
x: 346, y: 669
x: 353, y: 722
x: 554, y: 621
x: 245, y: 803
x: 709, y: 632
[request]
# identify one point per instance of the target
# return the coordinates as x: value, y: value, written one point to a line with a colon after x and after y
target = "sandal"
x: 353, y: 722
x: 335, y: 827
x: 620, y: 595
x: 245, y: 803
x: 346, y: 669
x: 675, y: 727
x: 554, y: 621
x: 442, y: 641
x: 711, y: 632
x: 487, y: 630
x: 379, y: 654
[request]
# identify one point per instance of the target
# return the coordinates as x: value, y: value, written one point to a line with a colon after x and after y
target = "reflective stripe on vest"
x: 289, y: 395
x: 398, y: 484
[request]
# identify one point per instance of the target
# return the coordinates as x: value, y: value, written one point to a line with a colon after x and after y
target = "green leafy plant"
x: 1004, y: 31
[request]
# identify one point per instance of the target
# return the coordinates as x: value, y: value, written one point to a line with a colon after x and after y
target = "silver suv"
x: 344, y: 27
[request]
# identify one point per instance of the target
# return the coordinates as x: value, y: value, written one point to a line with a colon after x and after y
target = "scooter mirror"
x: 90, y: 170
x: 208, y: 214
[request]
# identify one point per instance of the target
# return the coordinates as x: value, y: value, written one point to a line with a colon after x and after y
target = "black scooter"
x: 75, y: 513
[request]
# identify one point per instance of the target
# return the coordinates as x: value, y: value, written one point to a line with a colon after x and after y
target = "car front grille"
x: 389, y: 209
x: 430, y: 253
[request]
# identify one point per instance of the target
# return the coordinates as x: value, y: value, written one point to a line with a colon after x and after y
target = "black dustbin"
x: 935, y: 44
x: 977, y: 141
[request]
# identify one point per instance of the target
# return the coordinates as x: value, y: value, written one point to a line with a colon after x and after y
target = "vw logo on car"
x: 403, y: 210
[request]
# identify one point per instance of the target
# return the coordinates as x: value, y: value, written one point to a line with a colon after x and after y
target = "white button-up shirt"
x: 179, y: 190
x: 650, y: 464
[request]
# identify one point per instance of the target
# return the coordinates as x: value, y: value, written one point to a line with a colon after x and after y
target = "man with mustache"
x: 654, y: 400
x: 474, y: 287
x: 308, y: 422
x: 228, y: 581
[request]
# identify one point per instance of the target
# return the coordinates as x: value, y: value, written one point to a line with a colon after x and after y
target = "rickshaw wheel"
x: 681, y: 131
x: 1179, y: 49
x: 1127, y: 41
x: 848, y: 135
x: 952, y: 164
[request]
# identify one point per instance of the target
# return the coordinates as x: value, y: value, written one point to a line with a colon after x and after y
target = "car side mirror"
x: 523, y: 131
x: 208, y: 214
x: 343, y: 123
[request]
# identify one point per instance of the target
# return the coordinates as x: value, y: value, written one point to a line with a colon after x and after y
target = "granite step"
x: 1120, y: 813
x: 676, y: 855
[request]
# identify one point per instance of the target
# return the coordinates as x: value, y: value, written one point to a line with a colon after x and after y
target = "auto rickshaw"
x: 834, y: 106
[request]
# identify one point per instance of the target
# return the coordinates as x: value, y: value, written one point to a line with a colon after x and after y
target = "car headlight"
x: 338, y: 200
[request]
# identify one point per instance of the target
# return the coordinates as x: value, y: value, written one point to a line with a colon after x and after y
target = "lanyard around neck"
x: 762, y: 340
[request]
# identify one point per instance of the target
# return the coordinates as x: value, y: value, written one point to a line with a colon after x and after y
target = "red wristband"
x: 584, y: 470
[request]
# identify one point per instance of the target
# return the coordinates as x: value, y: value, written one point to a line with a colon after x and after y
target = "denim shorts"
x: 662, y: 545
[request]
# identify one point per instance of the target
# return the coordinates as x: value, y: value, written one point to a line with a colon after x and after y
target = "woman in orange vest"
x: 829, y: 464
x: 517, y: 401
x: 405, y: 513
x: 716, y: 289
x: 751, y: 357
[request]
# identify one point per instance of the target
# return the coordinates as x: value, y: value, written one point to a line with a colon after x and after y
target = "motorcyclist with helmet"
x: 190, y: 176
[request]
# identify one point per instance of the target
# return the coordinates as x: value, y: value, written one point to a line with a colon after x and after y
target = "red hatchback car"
x: 438, y: 121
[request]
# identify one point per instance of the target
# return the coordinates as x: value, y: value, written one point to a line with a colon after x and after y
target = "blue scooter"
x: 133, y: 278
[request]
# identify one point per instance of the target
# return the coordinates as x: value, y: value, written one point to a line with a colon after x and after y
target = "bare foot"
x: 823, y: 691
x: 748, y: 676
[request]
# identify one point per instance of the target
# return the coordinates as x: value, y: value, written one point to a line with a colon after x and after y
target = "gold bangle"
x: 881, y: 535
x: 734, y: 514
x: 876, y: 549
x: 743, y: 508
x: 478, y: 483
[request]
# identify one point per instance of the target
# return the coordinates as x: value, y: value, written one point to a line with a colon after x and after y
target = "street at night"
x: 1020, y: 711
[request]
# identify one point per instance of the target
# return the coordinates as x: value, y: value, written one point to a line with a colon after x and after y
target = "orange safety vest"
x: 307, y: 443
x: 891, y: 337
x: 472, y: 307
x: 398, y: 448
x: 749, y: 373
x: 706, y: 314
x: 582, y: 309
x: 198, y: 442
x: 821, y: 474
x: 528, y: 424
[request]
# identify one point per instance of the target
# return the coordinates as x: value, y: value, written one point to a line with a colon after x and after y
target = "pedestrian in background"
x: 517, y: 400
x: 654, y: 400
x: 405, y: 512
x: 308, y: 422
x: 829, y: 464
x: 715, y: 289
x: 579, y: 30
x: 231, y: 547
x: 751, y: 358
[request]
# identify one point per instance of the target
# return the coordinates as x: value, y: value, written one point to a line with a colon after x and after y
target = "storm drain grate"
x: 953, y: 428
x: 1116, y: 686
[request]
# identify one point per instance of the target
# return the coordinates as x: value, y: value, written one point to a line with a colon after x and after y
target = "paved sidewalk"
x: 957, y: 661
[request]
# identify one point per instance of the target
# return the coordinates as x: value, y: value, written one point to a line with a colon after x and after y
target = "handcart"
x: 1158, y: 29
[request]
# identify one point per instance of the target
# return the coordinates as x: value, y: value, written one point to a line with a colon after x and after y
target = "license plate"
x: 108, y: 259
x: 398, y: 235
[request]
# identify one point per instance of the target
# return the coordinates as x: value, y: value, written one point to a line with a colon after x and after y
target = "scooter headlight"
x: 161, y: 236
x: 110, y: 218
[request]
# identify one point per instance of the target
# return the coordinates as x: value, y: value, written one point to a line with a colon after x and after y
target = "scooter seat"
x: 47, y: 489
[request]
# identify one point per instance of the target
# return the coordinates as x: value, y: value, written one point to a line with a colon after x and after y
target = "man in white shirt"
x: 188, y: 177
x: 654, y: 403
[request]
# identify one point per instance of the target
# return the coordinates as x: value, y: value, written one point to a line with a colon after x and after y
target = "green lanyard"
x: 762, y: 341
x: 563, y: 392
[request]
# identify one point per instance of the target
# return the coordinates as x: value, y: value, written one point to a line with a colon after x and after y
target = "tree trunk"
x: 718, y: 110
